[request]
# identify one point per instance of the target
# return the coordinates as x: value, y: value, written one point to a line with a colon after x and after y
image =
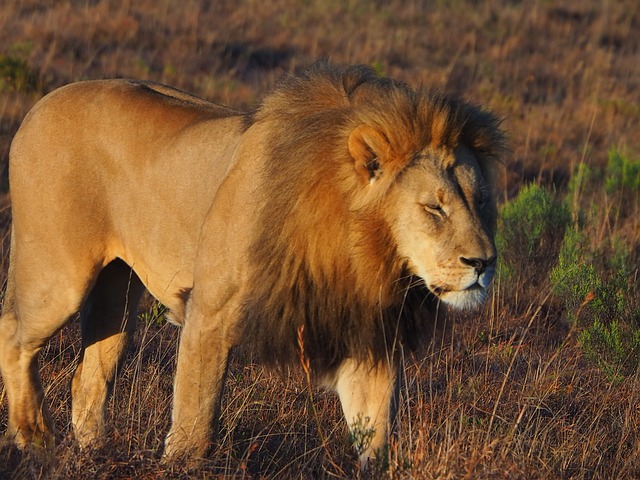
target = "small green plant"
x: 16, y: 76
x: 614, y: 347
x: 574, y: 277
x: 623, y: 174
x: 156, y: 314
x: 582, y: 184
x: 361, y: 434
x: 378, y: 67
x: 142, y: 66
x: 582, y: 181
x: 530, y: 230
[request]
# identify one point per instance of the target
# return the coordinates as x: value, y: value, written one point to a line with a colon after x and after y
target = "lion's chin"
x: 467, y: 299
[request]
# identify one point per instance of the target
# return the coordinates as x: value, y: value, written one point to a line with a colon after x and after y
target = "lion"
x: 330, y: 223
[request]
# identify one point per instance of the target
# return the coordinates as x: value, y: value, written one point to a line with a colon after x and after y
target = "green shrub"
x: 530, y: 230
x: 577, y: 275
x: 16, y: 76
x: 597, y: 284
x: 572, y: 279
x: 622, y: 186
x: 623, y: 174
x: 581, y: 182
x: 614, y: 347
x: 583, y: 187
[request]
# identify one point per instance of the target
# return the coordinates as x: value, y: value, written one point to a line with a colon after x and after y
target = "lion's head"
x: 441, y: 214
x: 379, y: 206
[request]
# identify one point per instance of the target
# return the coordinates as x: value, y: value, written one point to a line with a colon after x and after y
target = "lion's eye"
x: 434, y: 209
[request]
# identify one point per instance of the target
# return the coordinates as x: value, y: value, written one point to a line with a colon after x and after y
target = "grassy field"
x: 542, y: 383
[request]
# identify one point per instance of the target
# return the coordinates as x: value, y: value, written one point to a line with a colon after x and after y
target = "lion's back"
x: 120, y: 168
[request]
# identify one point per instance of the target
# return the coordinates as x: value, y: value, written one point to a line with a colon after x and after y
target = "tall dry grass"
x: 506, y: 392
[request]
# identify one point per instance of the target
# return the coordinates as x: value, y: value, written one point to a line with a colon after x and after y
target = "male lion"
x: 345, y: 208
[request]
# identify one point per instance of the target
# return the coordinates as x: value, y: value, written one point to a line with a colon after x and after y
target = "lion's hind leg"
x: 108, y: 319
x: 38, y: 302
x: 29, y: 420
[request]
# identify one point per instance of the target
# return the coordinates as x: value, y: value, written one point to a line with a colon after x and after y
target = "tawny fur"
x: 323, y: 256
x: 345, y: 204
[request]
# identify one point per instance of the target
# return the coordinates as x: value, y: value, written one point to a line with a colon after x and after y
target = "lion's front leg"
x: 200, y: 376
x: 368, y: 395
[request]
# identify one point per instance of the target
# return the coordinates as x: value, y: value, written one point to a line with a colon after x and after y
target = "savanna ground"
x: 542, y: 383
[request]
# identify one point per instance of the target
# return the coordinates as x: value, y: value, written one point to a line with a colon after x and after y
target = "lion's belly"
x: 161, y: 235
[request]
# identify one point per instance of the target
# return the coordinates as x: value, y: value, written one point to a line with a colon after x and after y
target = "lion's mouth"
x: 440, y: 290
x: 464, y: 299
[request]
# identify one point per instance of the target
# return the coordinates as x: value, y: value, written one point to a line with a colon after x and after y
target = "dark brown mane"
x: 323, y: 257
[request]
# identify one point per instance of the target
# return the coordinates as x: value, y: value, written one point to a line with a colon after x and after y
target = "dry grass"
x: 505, y: 393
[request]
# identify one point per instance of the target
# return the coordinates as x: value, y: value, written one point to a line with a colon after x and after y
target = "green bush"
x: 530, y: 230
x: 623, y: 174
x: 16, y: 76
x: 614, y: 347
x: 572, y: 279
x: 577, y: 275
x: 540, y: 238
x: 581, y: 182
x: 597, y: 284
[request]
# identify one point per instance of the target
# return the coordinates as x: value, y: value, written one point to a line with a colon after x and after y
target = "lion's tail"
x: 8, y: 302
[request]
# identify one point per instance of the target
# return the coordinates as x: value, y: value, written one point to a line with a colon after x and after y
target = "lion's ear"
x: 369, y: 148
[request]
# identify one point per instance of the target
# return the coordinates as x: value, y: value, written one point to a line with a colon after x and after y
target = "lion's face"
x: 443, y: 222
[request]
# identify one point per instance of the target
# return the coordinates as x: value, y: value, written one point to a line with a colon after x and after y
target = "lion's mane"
x: 323, y: 256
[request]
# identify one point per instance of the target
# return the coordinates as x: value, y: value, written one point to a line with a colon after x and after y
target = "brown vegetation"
x: 504, y: 393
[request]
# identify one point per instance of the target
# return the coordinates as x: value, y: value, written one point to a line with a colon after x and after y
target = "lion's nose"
x: 479, y: 264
